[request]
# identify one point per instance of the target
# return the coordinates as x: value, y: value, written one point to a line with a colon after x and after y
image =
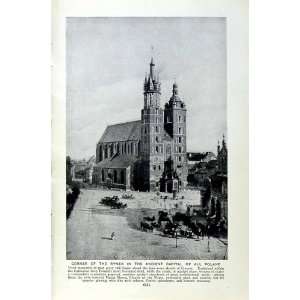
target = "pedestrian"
x: 112, y: 235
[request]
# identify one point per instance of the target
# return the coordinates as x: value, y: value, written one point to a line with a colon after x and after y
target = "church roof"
x: 118, y: 161
x: 122, y: 132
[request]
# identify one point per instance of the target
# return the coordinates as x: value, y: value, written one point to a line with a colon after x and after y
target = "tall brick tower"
x: 152, y: 130
x: 175, y: 126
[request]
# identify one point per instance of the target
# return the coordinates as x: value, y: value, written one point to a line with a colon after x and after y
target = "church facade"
x: 148, y: 154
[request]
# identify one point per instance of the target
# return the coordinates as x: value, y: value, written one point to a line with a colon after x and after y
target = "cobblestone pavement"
x: 90, y: 226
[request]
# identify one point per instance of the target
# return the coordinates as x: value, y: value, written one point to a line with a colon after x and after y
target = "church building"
x: 148, y: 154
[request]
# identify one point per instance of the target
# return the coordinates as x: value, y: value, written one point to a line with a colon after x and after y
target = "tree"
x: 68, y: 170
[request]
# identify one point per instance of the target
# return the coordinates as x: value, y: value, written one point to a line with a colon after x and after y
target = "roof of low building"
x: 122, y: 132
x: 117, y: 161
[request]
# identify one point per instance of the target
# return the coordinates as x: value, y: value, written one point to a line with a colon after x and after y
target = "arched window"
x: 100, y: 153
x: 115, y: 176
x: 179, y: 119
x: 156, y: 149
x: 105, y: 151
x: 157, y: 139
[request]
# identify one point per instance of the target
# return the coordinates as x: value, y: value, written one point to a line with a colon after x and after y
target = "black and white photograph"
x: 146, y: 138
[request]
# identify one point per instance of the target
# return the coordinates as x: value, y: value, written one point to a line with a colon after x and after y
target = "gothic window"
x: 145, y: 130
x: 118, y: 147
x: 154, y: 167
x: 156, y: 149
x: 105, y: 152
x: 156, y: 139
x: 131, y: 148
x: 158, y: 167
x: 180, y: 140
x: 179, y: 130
x: 179, y: 158
x: 103, y: 176
x: 111, y: 152
x: 179, y: 148
x: 100, y: 153
x: 156, y: 129
x: 179, y: 119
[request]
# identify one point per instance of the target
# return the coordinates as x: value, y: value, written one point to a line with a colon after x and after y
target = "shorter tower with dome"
x: 147, y: 154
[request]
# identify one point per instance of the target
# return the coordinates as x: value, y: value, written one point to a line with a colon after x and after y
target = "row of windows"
x: 159, y: 149
x: 179, y: 159
x: 156, y: 120
x: 159, y: 167
x: 179, y: 149
x: 155, y: 167
x: 154, y: 150
x: 155, y: 129
x: 106, y: 151
x: 179, y: 140
x: 180, y: 119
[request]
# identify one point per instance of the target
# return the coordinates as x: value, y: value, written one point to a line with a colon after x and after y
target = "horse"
x: 145, y: 226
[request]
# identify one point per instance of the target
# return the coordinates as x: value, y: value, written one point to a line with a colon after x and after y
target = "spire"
x: 152, y: 64
x: 175, y: 89
x: 151, y: 83
x: 223, y: 147
x: 223, y: 142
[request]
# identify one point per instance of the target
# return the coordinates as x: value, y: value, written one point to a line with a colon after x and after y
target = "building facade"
x: 148, y: 154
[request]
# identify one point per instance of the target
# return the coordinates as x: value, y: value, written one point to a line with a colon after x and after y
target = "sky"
x: 106, y: 62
